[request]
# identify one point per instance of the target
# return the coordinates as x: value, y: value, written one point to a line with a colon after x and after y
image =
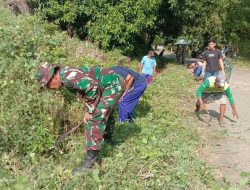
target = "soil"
x: 228, y: 148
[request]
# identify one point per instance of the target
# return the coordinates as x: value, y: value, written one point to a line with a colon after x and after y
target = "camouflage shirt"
x: 88, y: 83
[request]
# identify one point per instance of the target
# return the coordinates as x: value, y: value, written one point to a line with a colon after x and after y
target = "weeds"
x: 157, y: 151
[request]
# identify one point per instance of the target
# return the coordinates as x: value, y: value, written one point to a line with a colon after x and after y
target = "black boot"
x: 89, y: 161
x: 108, y: 138
x: 109, y: 129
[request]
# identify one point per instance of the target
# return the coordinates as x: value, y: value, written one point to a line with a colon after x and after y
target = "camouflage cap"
x: 45, y: 73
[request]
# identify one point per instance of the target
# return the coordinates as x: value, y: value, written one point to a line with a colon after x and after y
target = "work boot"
x: 89, y: 161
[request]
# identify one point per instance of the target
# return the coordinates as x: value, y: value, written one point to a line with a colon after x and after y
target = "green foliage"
x: 30, y: 118
x: 237, y: 28
x: 132, y: 25
x: 242, y: 62
x: 112, y: 24
x: 26, y: 118
x: 65, y: 12
x: 120, y: 25
x: 158, y: 151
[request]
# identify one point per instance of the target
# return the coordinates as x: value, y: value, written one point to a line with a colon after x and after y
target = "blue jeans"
x: 208, y: 74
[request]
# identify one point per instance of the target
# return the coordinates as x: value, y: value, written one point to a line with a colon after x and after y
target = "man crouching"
x: 100, y: 88
x: 215, y: 89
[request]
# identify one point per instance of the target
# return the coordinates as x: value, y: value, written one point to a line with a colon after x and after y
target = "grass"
x: 242, y: 62
x: 158, y: 151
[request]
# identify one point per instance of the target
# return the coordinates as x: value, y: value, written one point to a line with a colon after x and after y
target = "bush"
x: 28, y: 115
x: 31, y: 119
x: 113, y: 24
x: 158, y: 151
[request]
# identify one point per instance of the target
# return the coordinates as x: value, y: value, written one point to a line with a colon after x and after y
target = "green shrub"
x: 157, y: 151
x: 31, y: 119
x: 27, y: 115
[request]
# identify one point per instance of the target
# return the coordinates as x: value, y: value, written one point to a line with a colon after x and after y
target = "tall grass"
x: 158, y: 151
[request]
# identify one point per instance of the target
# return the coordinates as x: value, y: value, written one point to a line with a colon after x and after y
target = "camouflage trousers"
x: 101, y: 121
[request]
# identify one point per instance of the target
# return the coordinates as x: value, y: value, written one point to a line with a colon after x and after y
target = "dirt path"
x: 228, y: 149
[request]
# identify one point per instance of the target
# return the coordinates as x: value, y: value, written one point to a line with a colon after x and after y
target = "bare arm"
x: 200, y: 101
x: 154, y: 71
x: 140, y: 68
x: 222, y: 66
x: 204, y: 65
x: 129, y: 82
x: 202, y: 106
x: 199, y: 92
x: 235, y: 113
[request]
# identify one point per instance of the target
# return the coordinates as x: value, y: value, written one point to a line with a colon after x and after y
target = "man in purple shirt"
x: 135, y: 87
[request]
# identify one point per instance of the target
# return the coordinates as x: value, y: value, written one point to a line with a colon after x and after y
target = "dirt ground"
x: 228, y: 147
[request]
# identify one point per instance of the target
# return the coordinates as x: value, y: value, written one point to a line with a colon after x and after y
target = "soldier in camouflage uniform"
x: 100, y: 88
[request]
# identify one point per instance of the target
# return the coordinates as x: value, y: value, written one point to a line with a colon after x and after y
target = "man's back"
x: 123, y: 72
x: 211, y: 87
x: 208, y: 86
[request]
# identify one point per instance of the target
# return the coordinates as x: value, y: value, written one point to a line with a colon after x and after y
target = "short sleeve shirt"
x: 212, y: 58
x: 124, y: 72
x: 148, y: 65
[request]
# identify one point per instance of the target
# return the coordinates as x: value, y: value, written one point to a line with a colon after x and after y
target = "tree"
x: 236, y: 25
x: 130, y: 24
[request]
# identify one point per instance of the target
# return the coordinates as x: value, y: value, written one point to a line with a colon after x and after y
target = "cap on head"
x: 220, y: 80
x: 45, y: 73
